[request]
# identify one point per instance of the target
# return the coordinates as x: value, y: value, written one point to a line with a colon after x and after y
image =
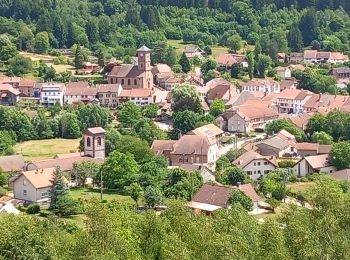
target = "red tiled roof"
x: 105, y: 88
x: 136, y: 92
x: 213, y: 194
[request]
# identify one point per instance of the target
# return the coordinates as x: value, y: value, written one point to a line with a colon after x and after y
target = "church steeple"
x: 144, y: 58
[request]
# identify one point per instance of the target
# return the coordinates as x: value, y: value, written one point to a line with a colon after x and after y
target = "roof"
x: 65, y: 164
x: 324, y: 149
x: 136, y: 92
x: 159, y: 146
x: 296, y: 94
x: 125, y: 71
x: 12, y: 163
x: 191, y: 49
x: 218, y: 92
x: 80, y: 91
x: 250, y: 156
x: 205, y: 106
x: 209, y: 130
x: 203, y: 206
x: 217, y: 81
x: 161, y: 68
x: 213, y: 194
x: 282, y: 69
x: 249, y: 190
x: 11, y: 80
x: 9, y: 88
x: 144, y: 48
x: 80, y: 84
x: 191, y: 144
x: 318, y: 161
x: 113, y: 88
x: 40, y: 178
x: 300, y: 121
x: 27, y: 83
x: 229, y: 59
x: 276, y: 142
x: 285, y: 135
x: 343, y: 175
x: 252, y: 111
x: 310, y: 54
x: 95, y: 130
x: 306, y: 146
x: 260, y: 82
x: 49, y: 86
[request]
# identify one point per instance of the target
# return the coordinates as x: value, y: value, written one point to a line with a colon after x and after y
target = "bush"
x: 286, y: 164
x: 3, y: 191
x: 293, y: 178
x: 33, y: 209
x: 45, y: 213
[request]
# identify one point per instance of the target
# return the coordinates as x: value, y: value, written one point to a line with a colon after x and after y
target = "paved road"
x: 224, y: 150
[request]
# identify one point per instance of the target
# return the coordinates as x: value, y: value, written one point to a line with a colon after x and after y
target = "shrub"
x: 33, y: 209
x: 3, y: 191
x: 286, y: 164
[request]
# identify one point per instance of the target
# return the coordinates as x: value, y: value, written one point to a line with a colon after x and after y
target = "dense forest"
x: 119, y: 27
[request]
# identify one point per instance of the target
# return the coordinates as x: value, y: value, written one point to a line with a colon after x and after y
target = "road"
x: 225, y: 149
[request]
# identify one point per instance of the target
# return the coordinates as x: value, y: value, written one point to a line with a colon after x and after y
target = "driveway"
x: 226, y: 148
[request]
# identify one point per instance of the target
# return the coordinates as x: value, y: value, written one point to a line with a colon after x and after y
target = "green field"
x: 88, y: 193
x: 45, y: 149
x: 300, y: 187
x: 179, y: 45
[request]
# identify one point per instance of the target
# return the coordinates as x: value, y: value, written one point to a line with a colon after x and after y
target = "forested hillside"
x: 119, y: 27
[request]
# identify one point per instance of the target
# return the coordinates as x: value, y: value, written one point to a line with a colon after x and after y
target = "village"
x: 254, y: 132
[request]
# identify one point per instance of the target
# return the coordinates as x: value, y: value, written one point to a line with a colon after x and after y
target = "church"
x: 134, y: 75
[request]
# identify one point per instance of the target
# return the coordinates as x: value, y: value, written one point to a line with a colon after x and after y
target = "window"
x: 259, y: 163
x: 44, y: 194
x: 135, y: 81
x: 88, y: 142
x: 128, y: 81
x: 249, y: 172
x: 99, y: 141
x: 122, y: 81
x: 24, y: 182
x: 24, y: 192
x: 266, y: 163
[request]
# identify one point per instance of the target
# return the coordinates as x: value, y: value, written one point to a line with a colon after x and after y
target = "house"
x: 205, y: 172
x: 262, y: 85
x: 314, y: 164
x: 314, y: 56
x: 192, y: 51
x: 13, y: 81
x: 300, y: 120
x: 12, y: 163
x: 160, y: 71
x: 284, y: 72
x: 216, y: 82
x: 255, y: 164
x: 294, y: 67
x: 222, y: 92
x: 34, y: 186
x: 28, y: 89
x: 134, y: 75
x: 9, y: 96
x: 90, y: 66
x: 341, y: 73
x: 247, y: 118
x: 226, y: 60
x: 211, y: 132
x: 94, y: 150
x: 281, y: 57
x: 80, y: 91
x: 291, y: 101
x: 139, y: 97
x: 288, y: 84
x: 342, y: 175
x: 189, y: 149
x: 168, y: 83
x: 326, y: 101
x: 52, y: 93
x: 108, y: 94
x: 212, y: 197
x: 296, y: 57
x: 311, y: 149
x: 276, y: 146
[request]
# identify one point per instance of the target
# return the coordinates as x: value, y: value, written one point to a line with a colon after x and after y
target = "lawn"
x: 300, y: 187
x: 179, y: 45
x: 88, y: 193
x: 46, y: 149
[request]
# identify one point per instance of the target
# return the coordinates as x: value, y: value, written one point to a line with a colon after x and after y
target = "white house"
x: 34, y: 186
x: 140, y: 97
x: 52, y: 93
x: 314, y: 164
x: 262, y: 85
x: 256, y: 165
x: 292, y: 101
x: 284, y: 72
x: 77, y: 92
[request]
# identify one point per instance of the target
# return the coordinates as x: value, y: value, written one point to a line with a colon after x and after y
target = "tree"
x: 69, y: 126
x: 185, y: 121
x: 185, y: 63
x: 111, y: 139
x: 232, y: 176
x: 239, y: 197
x: 217, y: 107
x: 234, y: 43
x: 78, y: 58
x: 150, y: 111
x: 279, y: 124
x: 185, y: 97
x: 83, y: 170
x: 153, y: 196
x: 7, y: 141
x: 340, y: 155
x: 129, y: 114
x: 321, y: 138
x: 134, y: 191
x: 236, y: 70
x: 309, y: 26
x: 7, y: 52
x: 45, y: 72
x: 42, y: 126
x: 263, y: 63
x: 20, y: 65
x: 3, y: 179
x: 317, y: 123
x: 93, y: 116
x: 41, y: 42
x: 295, y: 39
x: 119, y: 170
x: 101, y: 56
x: 251, y: 64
